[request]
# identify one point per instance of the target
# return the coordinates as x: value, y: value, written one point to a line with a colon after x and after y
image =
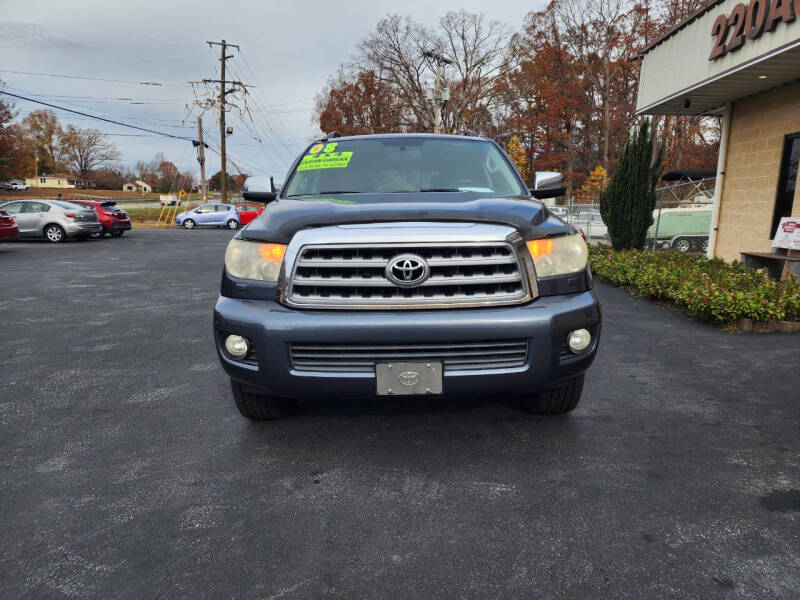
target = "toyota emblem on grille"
x: 408, y: 378
x: 407, y: 270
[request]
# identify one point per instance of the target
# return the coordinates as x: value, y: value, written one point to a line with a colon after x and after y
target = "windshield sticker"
x: 325, y: 160
x: 316, y: 148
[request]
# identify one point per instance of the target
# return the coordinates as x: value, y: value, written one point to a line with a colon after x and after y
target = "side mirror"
x: 259, y: 189
x: 548, y: 184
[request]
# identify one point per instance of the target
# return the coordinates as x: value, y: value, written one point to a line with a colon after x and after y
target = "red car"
x: 248, y: 212
x: 8, y: 226
x: 115, y: 221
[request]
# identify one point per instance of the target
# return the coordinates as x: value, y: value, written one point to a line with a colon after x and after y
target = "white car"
x: 18, y: 186
x: 591, y: 223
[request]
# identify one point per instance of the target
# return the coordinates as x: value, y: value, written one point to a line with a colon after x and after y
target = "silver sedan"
x: 55, y: 220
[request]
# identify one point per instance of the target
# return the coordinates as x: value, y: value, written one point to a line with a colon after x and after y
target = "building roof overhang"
x: 678, y: 78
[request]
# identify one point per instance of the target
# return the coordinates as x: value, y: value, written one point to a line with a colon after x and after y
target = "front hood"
x: 285, y: 217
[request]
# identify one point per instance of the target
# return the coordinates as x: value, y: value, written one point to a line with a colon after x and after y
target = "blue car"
x: 215, y: 215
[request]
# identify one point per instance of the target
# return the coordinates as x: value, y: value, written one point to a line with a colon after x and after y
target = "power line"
x: 152, y: 83
x: 69, y: 110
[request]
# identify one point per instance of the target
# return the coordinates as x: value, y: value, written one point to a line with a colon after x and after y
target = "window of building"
x: 42, y: 180
x: 787, y: 182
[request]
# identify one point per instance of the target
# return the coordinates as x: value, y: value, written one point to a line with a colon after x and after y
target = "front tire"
x: 682, y: 245
x: 260, y: 407
x: 556, y: 401
x: 233, y: 224
x: 117, y: 233
x: 188, y: 224
x: 54, y: 233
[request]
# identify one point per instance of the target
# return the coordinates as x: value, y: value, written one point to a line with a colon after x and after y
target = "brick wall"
x: 755, y: 145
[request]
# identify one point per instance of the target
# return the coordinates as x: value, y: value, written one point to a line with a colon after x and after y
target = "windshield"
x: 404, y: 165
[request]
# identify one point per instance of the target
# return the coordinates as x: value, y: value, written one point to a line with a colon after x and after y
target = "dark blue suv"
x: 408, y: 264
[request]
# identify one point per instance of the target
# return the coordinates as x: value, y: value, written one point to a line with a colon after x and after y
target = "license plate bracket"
x: 408, y: 378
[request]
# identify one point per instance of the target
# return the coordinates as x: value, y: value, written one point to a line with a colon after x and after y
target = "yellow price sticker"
x: 329, y: 160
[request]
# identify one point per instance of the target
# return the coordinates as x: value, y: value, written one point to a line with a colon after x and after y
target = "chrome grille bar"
x: 352, y: 276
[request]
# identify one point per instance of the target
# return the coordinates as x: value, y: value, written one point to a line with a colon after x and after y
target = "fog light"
x: 236, y: 346
x: 579, y: 340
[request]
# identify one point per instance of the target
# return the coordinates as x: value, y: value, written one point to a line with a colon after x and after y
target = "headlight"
x: 558, y: 255
x: 254, y: 260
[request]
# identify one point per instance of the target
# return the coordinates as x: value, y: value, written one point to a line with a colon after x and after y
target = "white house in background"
x: 137, y: 186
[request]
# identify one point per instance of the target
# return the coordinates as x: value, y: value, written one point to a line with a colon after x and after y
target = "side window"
x: 221, y: 208
x: 36, y: 207
x: 240, y: 208
x: 203, y: 209
x: 13, y: 208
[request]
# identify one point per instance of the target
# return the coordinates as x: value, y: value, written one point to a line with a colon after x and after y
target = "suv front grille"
x: 454, y: 356
x: 461, y: 274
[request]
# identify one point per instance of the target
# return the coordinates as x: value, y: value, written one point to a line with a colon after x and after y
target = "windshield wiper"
x: 425, y: 190
x: 322, y: 193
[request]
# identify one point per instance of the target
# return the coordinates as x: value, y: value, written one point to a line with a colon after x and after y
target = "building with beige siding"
x: 741, y: 62
x: 55, y: 181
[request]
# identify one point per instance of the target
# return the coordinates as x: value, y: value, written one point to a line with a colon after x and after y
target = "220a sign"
x: 748, y: 22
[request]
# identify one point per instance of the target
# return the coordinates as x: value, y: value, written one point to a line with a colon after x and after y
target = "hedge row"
x: 712, y: 289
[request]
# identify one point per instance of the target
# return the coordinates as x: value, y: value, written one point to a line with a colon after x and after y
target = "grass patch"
x: 714, y: 290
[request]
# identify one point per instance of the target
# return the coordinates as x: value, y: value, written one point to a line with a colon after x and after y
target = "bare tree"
x: 479, y: 51
x: 87, y: 149
x: 602, y: 35
x: 399, y: 51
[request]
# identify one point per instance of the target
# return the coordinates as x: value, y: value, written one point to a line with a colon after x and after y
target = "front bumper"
x: 271, y: 327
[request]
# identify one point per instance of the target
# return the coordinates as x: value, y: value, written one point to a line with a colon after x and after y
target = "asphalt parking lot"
x: 127, y: 472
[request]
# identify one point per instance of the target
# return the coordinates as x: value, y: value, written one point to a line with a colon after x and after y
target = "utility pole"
x: 222, y: 105
x: 201, y: 158
x: 439, y: 97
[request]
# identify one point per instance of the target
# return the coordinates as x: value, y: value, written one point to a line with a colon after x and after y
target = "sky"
x: 287, y: 51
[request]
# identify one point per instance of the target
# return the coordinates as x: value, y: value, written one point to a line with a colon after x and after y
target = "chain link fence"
x: 681, y: 219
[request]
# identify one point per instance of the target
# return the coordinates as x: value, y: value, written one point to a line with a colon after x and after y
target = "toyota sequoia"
x: 406, y: 264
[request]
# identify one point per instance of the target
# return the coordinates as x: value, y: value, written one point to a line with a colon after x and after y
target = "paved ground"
x: 127, y: 473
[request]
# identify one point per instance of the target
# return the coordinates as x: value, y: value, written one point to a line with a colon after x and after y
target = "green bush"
x: 710, y: 288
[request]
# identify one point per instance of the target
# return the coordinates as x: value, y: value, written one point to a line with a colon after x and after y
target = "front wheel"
x: 117, y: 233
x: 54, y: 233
x: 682, y: 245
x: 260, y: 407
x: 556, y: 401
x: 188, y: 224
x: 233, y: 224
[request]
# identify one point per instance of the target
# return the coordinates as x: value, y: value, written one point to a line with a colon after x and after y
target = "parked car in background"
x: 55, y: 220
x: 17, y: 185
x: 590, y: 222
x: 8, y: 226
x: 559, y: 211
x: 213, y: 215
x: 248, y: 212
x: 114, y: 220
x: 5, y: 187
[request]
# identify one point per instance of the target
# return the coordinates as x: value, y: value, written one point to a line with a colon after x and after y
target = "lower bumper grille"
x: 457, y: 356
